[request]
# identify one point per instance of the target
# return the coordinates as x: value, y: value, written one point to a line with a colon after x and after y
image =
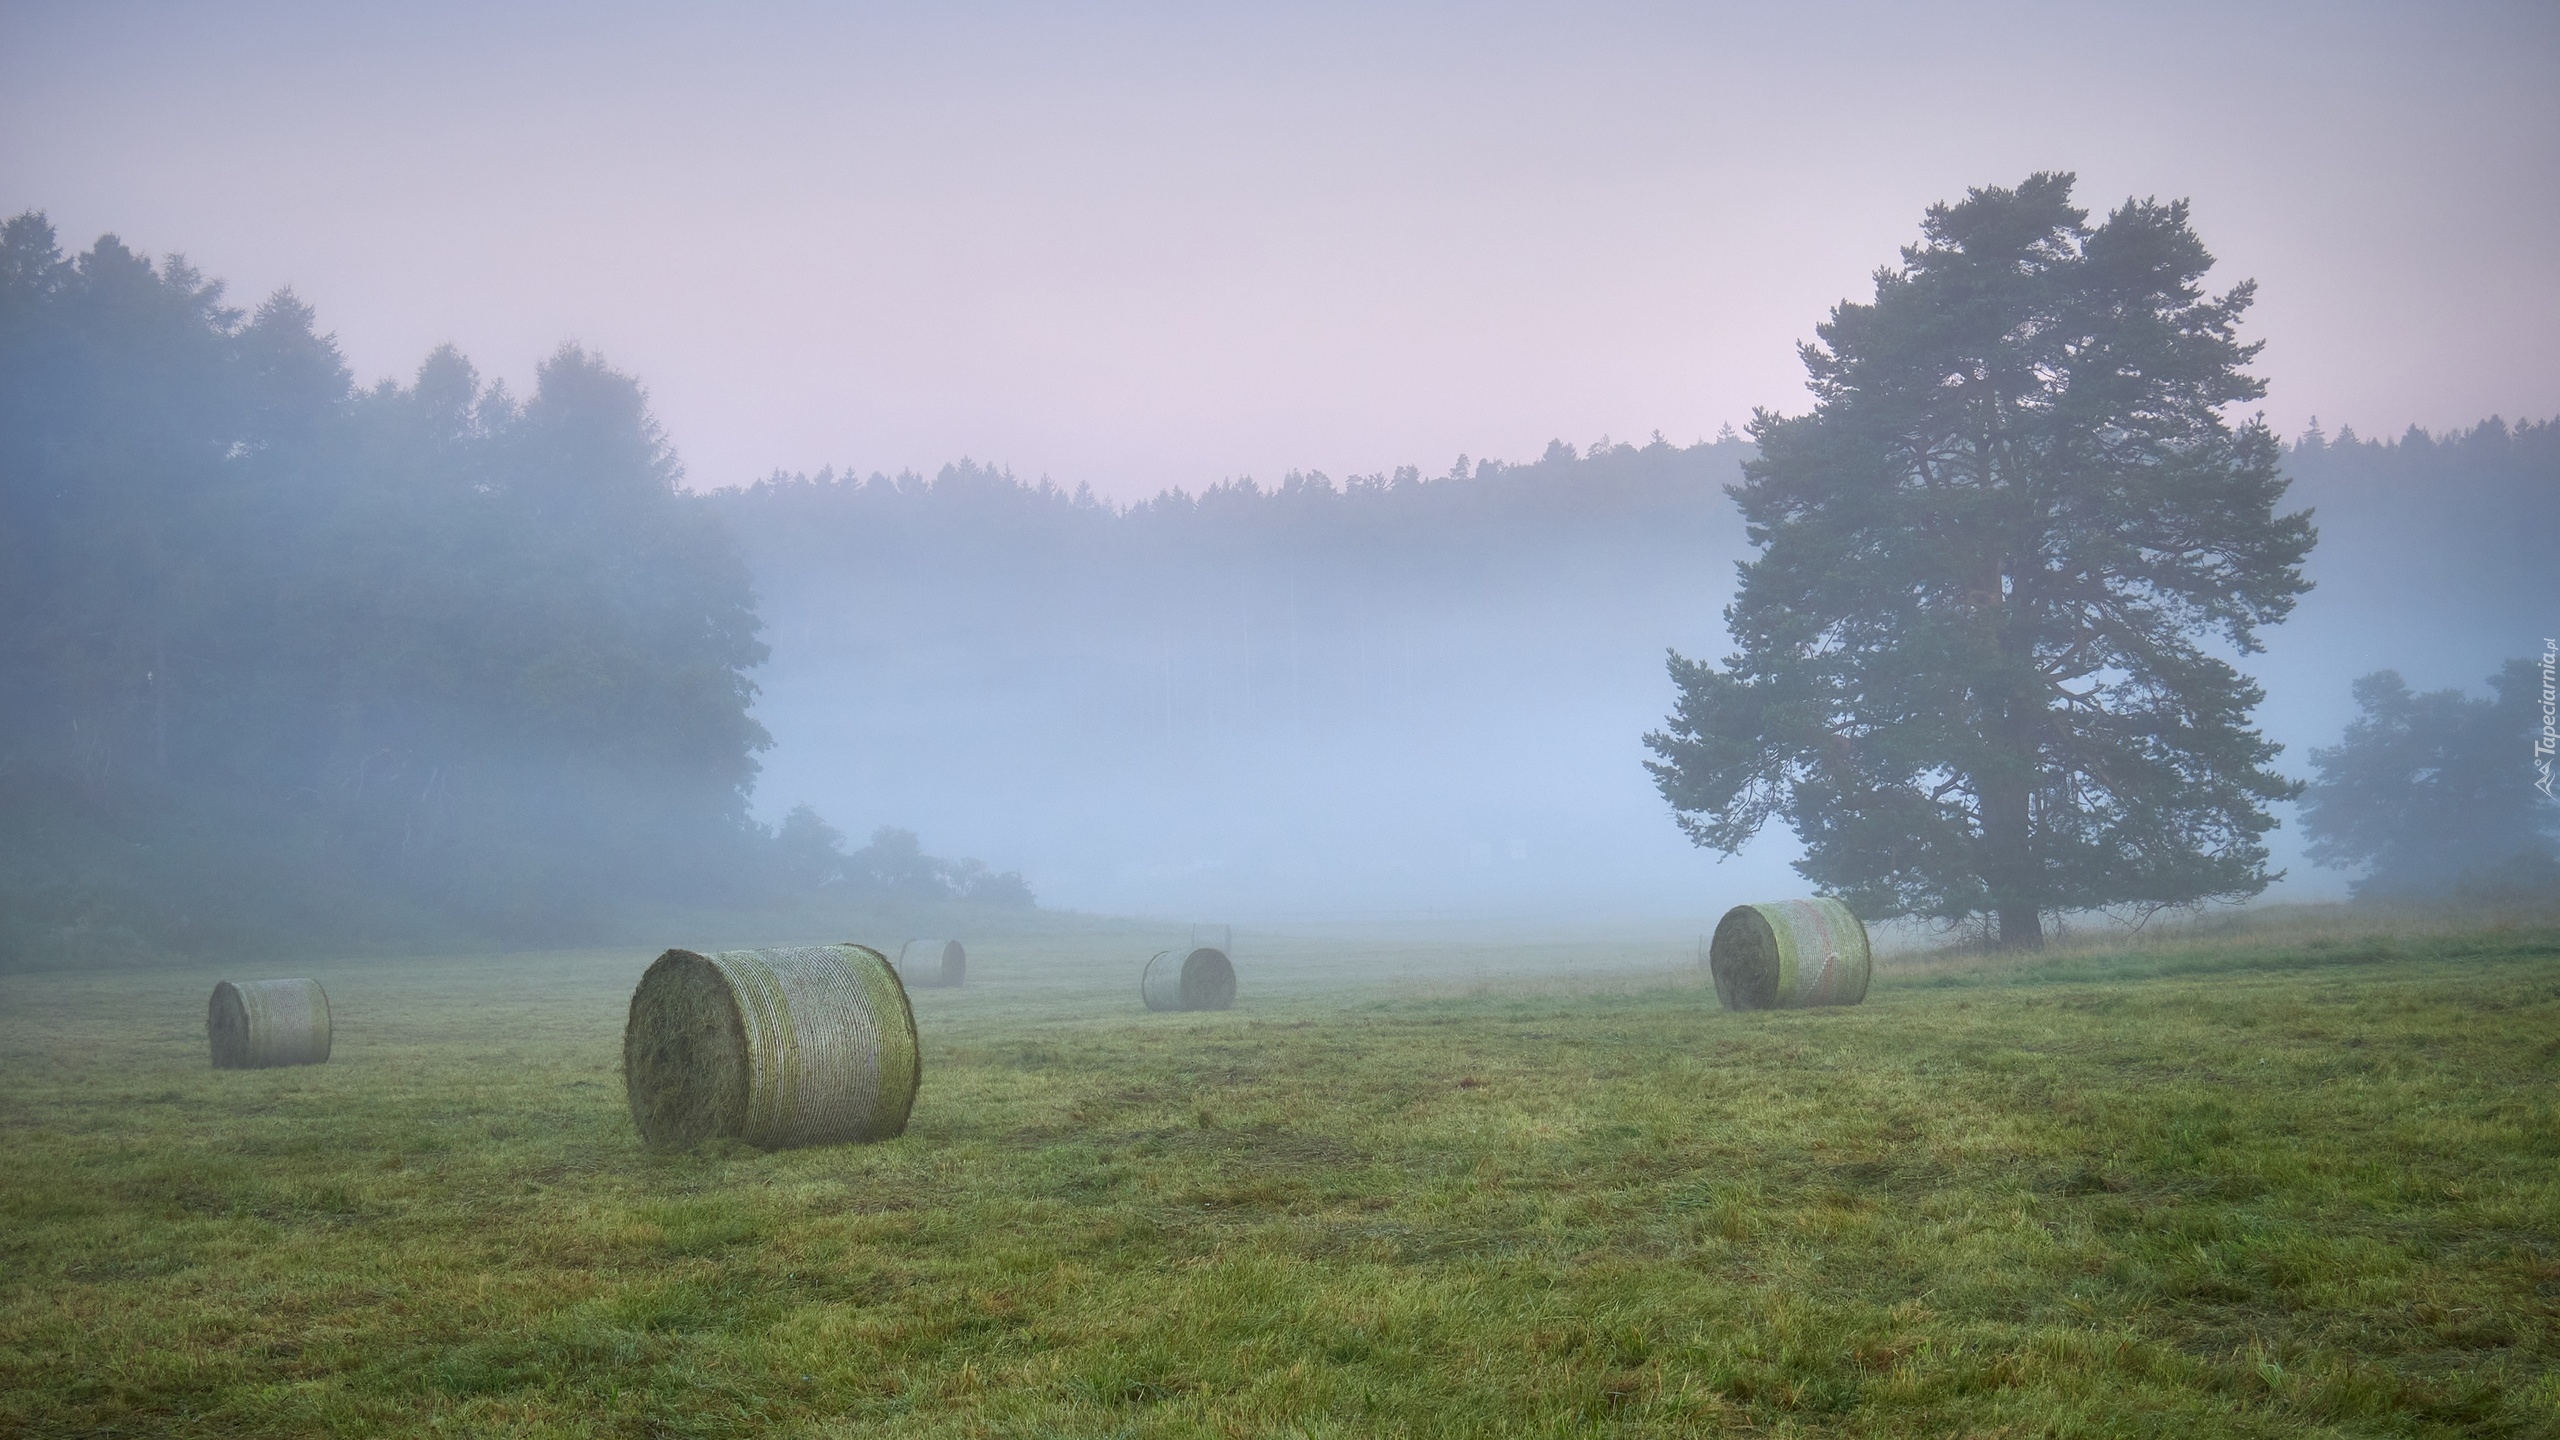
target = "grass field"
x: 2300, y: 1182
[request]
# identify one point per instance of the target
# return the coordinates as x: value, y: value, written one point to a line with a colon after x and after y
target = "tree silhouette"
x: 1970, y: 672
x: 2430, y: 793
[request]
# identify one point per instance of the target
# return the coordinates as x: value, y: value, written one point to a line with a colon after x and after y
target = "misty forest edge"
x: 431, y: 664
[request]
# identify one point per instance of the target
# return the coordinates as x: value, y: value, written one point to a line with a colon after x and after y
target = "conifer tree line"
x: 295, y: 662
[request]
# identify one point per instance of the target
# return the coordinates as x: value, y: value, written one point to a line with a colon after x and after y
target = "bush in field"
x: 2433, y: 795
x: 892, y: 867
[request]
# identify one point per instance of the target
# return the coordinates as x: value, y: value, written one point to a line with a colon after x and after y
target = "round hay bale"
x: 1196, y: 979
x: 1790, y: 954
x: 933, y: 964
x: 778, y: 1048
x: 255, y: 1024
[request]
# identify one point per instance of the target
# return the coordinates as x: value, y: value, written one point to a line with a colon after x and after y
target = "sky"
x: 1139, y: 247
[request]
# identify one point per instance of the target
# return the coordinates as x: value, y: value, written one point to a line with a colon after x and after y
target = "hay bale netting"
x: 778, y: 1048
x: 933, y: 964
x: 1790, y: 954
x: 1195, y: 979
x: 254, y: 1024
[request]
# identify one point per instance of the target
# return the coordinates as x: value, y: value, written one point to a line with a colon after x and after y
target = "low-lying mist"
x: 1407, y: 696
x: 298, y: 665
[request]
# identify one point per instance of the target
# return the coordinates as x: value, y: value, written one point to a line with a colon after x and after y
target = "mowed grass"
x: 2306, y: 1186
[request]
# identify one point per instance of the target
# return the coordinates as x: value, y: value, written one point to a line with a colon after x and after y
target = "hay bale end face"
x: 933, y: 964
x: 778, y: 1048
x: 256, y: 1024
x: 1790, y: 954
x: 1196, y: 979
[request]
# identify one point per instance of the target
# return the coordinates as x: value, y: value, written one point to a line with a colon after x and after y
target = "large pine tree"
x: 1974, y: 672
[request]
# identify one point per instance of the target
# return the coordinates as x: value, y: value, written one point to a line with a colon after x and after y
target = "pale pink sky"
x: 1141, y: 247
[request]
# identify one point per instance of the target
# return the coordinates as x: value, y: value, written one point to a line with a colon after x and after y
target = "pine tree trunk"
x: 2021, y: 928
x: 2008, y: 809
x: 2011, y: 871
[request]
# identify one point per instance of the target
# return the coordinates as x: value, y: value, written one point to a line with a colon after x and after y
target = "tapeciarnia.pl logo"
x: 2544, y: 743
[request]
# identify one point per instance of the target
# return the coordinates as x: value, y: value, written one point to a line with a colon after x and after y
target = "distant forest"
x: 298, y: 664
x: 294, y: 664
x: 1399, y: 692
x: 1387, y: 693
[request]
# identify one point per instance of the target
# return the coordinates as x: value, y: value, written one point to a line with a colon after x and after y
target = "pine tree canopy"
x: 1974, y: 670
